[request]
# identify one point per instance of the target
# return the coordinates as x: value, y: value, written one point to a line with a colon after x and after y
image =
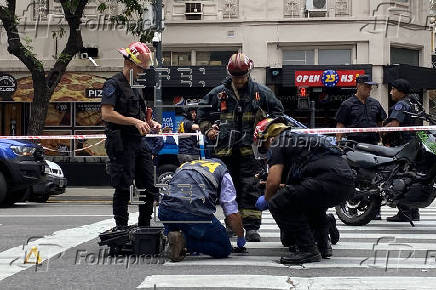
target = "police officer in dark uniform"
x: 124, y: 111
x: 398, y: 117
x: 188, y: 146
x: 236, y: 104
x: 193, y: 192
x: 316, y: 178
x: 361, y: 111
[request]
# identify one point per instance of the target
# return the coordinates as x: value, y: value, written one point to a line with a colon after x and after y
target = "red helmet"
x: 269, y: 127
x: 139, y: 53
x: 239, y: 65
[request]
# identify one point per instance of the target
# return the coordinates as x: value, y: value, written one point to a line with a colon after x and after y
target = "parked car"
x: 167, y: 161
x: 21, y: 166
x: 54, y: 183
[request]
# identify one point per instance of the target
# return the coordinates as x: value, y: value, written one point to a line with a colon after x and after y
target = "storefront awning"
x: 419, y: 77
x: 312, y: 75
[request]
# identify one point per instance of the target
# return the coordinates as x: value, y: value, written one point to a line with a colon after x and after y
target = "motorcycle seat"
x: 379, y: 150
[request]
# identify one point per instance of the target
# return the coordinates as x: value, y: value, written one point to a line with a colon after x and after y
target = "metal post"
x: 312, y: 114
x: 158, y: 45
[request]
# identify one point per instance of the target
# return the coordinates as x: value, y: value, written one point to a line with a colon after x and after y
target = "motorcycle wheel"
x: 358, y: 212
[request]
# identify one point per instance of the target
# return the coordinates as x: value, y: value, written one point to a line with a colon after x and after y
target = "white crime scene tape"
x: 306, y: 131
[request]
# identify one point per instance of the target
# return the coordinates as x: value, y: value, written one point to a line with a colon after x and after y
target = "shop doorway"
x: 11, y: 119
x: 326, y: 101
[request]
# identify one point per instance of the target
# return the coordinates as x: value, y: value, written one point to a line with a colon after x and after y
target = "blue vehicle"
x: 167, y: 161
x: 21, y: 166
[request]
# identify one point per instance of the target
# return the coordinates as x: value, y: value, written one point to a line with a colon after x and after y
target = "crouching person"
x: 316, y: 178
x: 189, y: 208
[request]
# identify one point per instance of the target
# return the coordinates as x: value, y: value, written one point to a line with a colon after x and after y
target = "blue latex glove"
x: 241, y: 242
x: 261, y: 203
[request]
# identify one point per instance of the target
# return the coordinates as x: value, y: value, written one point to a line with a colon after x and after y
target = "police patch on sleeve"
x: 108, y: 89
x: 398, y: 107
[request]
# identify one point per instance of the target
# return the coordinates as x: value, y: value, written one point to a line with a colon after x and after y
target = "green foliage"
x: 65, y: 58
x: 132, y: 17
x: 28, y: 45
x: 58, y: 33
x: 425, y: 139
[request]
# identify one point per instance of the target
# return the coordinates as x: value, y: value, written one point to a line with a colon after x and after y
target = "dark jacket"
x: 355, y: 114
x: 129, y: 102
x: 195, y: 187
x: 188, y: 145
x: 237, y: 117
x: 399, y: 112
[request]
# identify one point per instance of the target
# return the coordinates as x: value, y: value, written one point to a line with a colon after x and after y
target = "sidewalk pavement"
x: 92, y: 193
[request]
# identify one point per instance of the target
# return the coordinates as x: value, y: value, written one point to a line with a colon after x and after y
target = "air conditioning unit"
x: 316, y: 5
x: 194, y: 10
x: 317, y: 8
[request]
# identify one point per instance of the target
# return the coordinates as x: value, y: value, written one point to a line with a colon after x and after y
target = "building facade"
x: 294, y: 39
x: 308, y: 51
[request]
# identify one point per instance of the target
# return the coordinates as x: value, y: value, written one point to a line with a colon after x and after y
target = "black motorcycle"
x: 392, y: 176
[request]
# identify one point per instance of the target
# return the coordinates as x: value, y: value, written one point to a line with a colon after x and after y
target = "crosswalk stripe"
x: 423, y: 218
x: 286, y: 282
x: 424, y: 236
x: 377, y: 245
x: 392, y: 262
x: 252, y: 261
x: 364, y: 245
x: 345, y: 228
x: 359, y: 283
x: 216, y: 281
x: 12, y: 260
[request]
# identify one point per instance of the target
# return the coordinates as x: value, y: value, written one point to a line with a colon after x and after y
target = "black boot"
x: 325, y: 248
x: 302, y: 256
x: 323, y: 243
x: 414, y: 214
x: 378, y: 216
x: 333, y: 230
x: 286, y: 239
x: 252, y: 236
x: 401, y: 215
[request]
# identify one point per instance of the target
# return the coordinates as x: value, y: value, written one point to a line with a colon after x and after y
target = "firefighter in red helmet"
x: 124, y: 111
x: 237, y: 104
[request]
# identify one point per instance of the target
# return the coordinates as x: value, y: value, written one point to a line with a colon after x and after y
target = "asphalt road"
x: 377, y: 256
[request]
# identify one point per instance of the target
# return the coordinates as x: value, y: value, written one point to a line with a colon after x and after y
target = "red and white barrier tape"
x: 81, y: 137
x: 306, y: 131
x: 75, y: 150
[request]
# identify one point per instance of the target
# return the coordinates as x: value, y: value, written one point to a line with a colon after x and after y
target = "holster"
x: 114, y: 141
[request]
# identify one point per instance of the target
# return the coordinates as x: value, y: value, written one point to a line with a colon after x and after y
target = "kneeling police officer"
x: 190, y: 206
x: 316, y: 178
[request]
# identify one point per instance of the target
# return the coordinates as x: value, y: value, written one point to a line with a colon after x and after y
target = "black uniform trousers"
x: 130, y: 160
x: 300, y: 208
x: 243, y: 169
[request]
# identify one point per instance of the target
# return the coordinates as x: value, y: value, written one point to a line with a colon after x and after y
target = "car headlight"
x: 23, y: 150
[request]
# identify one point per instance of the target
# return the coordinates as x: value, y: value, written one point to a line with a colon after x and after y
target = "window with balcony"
x: 298, y: 57
x: 334, y: 56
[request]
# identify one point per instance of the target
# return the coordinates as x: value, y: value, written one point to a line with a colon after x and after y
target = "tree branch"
x: 74, y: 43
x: 15, y: 47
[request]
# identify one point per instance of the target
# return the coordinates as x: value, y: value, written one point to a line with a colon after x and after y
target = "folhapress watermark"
x: 104, y: 258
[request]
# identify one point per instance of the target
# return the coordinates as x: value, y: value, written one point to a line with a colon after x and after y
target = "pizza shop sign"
x: 327, y: 78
